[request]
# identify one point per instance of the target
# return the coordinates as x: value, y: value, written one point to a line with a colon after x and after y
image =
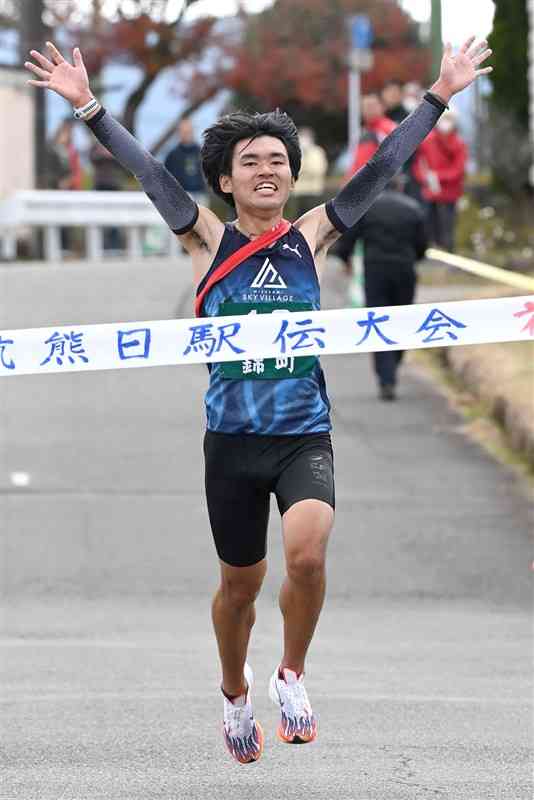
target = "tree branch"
x: 135, y: 100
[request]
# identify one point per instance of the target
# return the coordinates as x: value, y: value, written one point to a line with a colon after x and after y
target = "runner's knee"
x: 241, y: 586
x: 305, y: 566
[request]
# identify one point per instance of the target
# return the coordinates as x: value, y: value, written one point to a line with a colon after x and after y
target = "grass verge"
x: 492, y: 387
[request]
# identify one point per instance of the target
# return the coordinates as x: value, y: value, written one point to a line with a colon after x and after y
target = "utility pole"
x: 360, y: 60
x: 33, y: 35
x: 530, y: 8
x: 436, y: 37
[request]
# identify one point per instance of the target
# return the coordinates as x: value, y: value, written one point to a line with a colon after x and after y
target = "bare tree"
x: 152, y: 34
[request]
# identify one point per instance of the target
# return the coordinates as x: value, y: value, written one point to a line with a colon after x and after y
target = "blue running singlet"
x: 284, y: 396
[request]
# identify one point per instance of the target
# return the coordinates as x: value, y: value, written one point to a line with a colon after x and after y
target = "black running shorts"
x: 241, y: 472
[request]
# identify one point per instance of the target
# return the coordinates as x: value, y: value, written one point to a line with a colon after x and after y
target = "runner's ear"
x: 225, y: 182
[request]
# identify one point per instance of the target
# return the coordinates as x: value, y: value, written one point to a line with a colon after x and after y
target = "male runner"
x: 267, y: 431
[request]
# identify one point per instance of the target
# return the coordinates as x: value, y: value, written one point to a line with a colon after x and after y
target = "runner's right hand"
x: 71, y: 82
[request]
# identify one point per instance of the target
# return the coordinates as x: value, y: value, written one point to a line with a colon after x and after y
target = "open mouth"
x: 266, y: 186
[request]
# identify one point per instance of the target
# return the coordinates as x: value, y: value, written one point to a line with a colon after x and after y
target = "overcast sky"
x: 461, y: 18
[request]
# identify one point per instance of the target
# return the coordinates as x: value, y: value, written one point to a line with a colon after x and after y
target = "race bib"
x: 265, y: 368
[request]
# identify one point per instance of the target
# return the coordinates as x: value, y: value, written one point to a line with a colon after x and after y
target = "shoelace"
x: 297, y: 697
x: 234, y: 720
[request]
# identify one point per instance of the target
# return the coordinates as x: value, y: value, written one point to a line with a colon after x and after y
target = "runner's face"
x: 261, y: 176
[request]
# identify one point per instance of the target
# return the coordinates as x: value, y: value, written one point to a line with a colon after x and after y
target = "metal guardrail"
x: 93, y: 211
x: 491, y: 273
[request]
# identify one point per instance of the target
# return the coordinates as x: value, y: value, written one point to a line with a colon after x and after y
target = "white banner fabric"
x: 252, y: 338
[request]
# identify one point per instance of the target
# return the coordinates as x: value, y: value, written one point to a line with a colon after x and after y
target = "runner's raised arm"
x: 356, y: 197
x: 70, y: 81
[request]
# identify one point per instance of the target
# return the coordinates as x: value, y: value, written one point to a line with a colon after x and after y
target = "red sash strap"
x: 233, y: 261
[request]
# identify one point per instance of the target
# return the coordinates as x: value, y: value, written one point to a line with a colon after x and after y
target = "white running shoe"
x: 298, y: 724
x: 242, y: 734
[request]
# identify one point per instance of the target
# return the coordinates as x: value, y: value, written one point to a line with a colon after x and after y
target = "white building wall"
x: 16, y: 132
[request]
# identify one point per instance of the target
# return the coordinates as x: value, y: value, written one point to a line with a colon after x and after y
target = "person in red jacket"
x: 375, y: 127
x: 440, y: 169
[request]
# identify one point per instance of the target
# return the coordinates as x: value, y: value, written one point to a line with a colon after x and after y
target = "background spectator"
x: 63, y: 168
x: 394, y: 237
x: 375, y: 127
x: 108, y: 176
x: 399, y: 102
x: 439, y: 167
x: 392, y: 98
x: 309, y: 189
x: 412, y: 94
x: 183, y: 161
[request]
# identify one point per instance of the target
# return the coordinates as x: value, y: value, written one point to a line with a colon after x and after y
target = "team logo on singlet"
x: 268, y: 278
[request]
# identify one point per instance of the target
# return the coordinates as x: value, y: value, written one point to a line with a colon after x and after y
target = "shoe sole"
x: 296, y: 738
x: 251, y: 760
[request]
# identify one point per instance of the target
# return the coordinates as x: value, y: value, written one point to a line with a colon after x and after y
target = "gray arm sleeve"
x: 178, y: 210
x: 358, y: 195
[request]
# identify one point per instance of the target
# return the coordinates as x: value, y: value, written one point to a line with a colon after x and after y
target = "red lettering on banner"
x: 529, y: 309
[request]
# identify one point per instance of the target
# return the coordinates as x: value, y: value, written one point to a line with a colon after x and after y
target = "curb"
x: 488, y: 380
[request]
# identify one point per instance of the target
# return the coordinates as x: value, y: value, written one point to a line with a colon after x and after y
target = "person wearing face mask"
x: 439, y: 167
x: 411, y: 96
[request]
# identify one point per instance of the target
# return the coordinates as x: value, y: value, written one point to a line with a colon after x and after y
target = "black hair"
x: 393, y: 82
x: 220, y: 139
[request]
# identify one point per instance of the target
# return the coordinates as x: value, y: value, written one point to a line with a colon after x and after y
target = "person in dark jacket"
x: 391, y: 96
x: 393, y: 232
x: 183, y: 161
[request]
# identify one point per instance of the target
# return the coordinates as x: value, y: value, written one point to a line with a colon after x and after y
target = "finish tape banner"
x: 248, y: 340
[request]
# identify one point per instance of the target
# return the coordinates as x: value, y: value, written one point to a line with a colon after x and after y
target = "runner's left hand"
x: 460, y: 70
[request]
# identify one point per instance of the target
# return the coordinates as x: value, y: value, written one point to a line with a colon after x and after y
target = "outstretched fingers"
x: 482, y: 57
x: 467, y: 44
x: 42, y: 60
x: 77, y: 57
x: 477, y: 48
x: 57, y: 58
x: 41, y: 73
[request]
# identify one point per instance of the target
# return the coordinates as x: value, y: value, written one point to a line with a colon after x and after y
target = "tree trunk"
x: 134, y: 101
x: 33, y: 34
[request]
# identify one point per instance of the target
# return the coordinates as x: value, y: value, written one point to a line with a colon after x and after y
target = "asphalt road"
x: 420, y: 670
